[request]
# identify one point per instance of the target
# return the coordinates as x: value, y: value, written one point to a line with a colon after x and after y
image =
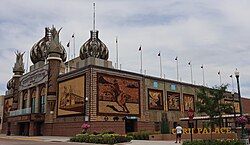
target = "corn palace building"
x: 56, y: 97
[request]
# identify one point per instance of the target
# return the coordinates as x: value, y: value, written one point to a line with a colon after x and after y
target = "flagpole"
x: 203, y: 75
x: 68, y: 45
x: 27, y: 67
x: 231, y: 76
x: 73, y: 36
x: 160, y: 64
x: 191, y: 70
x: 140, y: 49
x: 116, y: 42
x: 177, y: 71
x: 219, y: 77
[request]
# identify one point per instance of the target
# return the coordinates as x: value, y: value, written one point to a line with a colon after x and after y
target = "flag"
x: 73, y: 36
x: 140, y: 48
x: 218, y: 72
x: 231, y: 76
x: 159, y: 54
x: 176, y: 58
x: 68, y: 44
x: 189, y: 63
x: 202, y: 66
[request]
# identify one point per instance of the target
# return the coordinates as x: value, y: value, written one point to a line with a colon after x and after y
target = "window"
x: 42, y: 100
x: 25, y: 97
x: 33, y: 101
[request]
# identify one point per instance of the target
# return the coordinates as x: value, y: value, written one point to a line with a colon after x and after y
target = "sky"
x: 212, y: 33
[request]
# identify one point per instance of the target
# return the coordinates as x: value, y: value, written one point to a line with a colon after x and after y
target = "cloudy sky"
x: 213, y: 33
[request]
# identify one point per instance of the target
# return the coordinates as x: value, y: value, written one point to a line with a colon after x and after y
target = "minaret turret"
x: 56, y: 54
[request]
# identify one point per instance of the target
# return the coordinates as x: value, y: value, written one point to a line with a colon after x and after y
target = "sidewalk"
x: 66, y: 139
x: 37, y: 138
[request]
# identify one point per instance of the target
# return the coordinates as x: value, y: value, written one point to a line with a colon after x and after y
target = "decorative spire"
x: 94, y: 17
x: 18, y: 68
x: 94, y: 47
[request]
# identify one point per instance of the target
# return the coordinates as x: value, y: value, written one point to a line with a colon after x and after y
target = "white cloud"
x: 213, y: 33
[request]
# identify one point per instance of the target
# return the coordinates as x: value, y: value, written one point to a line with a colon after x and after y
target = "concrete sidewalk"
x: 66, y: 139
x: 37, y: 138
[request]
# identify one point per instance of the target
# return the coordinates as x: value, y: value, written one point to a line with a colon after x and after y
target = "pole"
x: 232, y: 84
x: 116, y: 42
x: 160, y: 64
x: 68, y: 55
x: 74, y: 46
x: 231, y: 76
x: 140, y: 49
x: 191, y: 71
x: 177, y: 69
x: 238, y: 85
x: 27, y: 65
x: 191, y: 134
x: 219, y: 77
x: 203, y: 75
x: 94, y: 17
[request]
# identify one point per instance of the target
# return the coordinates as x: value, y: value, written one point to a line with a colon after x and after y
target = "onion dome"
x: 40, y: 49
x: 94, y: 47
x: 10, y: 84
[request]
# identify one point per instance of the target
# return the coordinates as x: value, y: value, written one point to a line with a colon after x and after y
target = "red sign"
x: 190, y: 114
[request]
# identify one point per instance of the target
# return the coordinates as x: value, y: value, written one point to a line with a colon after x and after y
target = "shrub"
x: 213, y: 142
x: 103, y: 138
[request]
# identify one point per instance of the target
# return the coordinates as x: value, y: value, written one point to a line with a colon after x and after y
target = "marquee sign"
x: 34, y: 78
x: 223, y: 130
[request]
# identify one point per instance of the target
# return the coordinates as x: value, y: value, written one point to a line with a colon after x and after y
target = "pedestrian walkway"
x: 37, y: 138
x: 148, y: 142
x: 66, y: 139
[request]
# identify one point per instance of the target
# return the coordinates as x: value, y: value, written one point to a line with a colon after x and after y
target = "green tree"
x: 210, y: 103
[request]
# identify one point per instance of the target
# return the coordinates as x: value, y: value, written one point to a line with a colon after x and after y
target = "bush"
x: 213, y: 142
x: 142, y: 135
x: 103, y: 138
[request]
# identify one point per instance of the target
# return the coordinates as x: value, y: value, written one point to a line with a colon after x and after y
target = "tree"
x: 210, y: 103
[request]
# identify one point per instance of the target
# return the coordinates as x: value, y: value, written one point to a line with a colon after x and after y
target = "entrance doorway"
x: 39, y: 128
x: 130, y: 125
x: 24, y: 128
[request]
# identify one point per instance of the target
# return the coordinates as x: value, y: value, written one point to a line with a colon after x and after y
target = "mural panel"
x: 8, y: 103
x: 173, y: 100
x: 188, y: 101
x: 118, y: 95
x: 155, y: 99
x: 71, y: 96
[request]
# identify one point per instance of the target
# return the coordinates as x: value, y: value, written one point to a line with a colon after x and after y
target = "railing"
x: 20, y: 112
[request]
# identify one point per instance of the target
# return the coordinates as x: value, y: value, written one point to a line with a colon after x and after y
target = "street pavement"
x: 58, y: 140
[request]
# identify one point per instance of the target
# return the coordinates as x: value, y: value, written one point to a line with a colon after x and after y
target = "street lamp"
x: 237, y: 75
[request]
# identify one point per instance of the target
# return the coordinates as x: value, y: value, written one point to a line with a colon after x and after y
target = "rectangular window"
x: 42, y: 104
x: 24, y: 104
x: 33, y: 105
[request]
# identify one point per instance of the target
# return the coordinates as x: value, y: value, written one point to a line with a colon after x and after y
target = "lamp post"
x: 237, y: 75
